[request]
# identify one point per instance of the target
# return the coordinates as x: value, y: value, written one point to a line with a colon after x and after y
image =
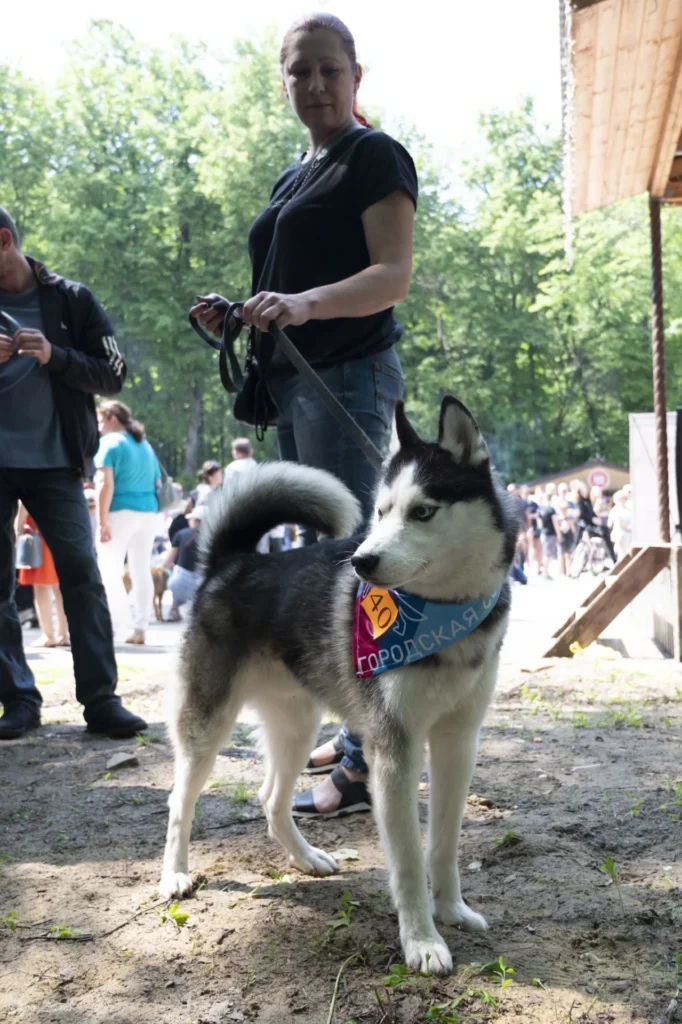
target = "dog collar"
x: 392, y: 629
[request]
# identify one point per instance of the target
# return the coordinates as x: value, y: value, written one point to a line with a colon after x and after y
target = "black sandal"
x: 355, y: 799
x: 324, y: 769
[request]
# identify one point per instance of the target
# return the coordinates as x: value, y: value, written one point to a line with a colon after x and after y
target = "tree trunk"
x: 196, y: 410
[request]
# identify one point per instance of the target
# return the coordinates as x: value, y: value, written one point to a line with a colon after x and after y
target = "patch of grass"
x: 4, y: 857
x: 510, y: 838
x: 10, y: 921
x: 624, y: 716
x: 580, y: 720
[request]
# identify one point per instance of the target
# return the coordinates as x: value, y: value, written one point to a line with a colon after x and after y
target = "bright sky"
x: 434, y: 63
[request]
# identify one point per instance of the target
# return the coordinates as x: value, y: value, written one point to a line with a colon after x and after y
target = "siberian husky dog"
x: 284, y: 633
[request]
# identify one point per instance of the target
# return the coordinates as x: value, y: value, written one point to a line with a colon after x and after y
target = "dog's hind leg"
x: 196, y: 746
x: 290, y: 729
x: 452, y: 756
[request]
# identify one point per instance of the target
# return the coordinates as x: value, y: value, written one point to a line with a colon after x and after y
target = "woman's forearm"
x: 105, y: 492
x: 371, y: 291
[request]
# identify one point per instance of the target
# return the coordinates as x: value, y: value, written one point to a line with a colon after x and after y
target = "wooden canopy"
x: 623, y: 97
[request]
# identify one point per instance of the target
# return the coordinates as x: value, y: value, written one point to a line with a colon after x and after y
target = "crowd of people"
x: 555, y: 520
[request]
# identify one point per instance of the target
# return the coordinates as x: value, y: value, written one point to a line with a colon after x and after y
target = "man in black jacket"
x: 57, y: 350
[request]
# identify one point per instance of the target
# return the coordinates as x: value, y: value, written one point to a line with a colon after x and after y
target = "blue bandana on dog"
x: 391, y: 629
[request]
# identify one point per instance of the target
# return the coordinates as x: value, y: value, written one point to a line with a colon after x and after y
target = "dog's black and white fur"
x: 275, y: 632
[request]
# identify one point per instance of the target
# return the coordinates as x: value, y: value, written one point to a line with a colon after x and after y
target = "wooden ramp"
x: 613, y: 593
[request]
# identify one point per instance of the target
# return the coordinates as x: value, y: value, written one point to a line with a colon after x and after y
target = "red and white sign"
x: 599, y: 478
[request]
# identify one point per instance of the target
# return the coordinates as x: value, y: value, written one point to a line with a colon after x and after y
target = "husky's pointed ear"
x: 459, y: 434
x: 403, y: 434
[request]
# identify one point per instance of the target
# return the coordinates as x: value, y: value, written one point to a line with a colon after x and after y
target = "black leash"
x: 232, y: 326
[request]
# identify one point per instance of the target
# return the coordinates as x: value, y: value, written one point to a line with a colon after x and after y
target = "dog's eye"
x: 379, y: 513
x: 423, y: 512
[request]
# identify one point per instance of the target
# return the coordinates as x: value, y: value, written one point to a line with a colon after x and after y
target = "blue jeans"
x: 307, y: 432
x: 54, y: 498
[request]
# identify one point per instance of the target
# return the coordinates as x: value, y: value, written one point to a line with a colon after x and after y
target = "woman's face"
x: 216, y: 478
x: 320, y: 81
x: 103, y: 423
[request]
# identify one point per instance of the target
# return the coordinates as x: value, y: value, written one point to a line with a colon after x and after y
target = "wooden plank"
x: 630, y: 35
x: 583, y: 60
x: 669, y: 131
x: 611, y: 601
x: 604, y: 582
x: 642, y: 111
x: 608, y: 26
x: 662, y: 132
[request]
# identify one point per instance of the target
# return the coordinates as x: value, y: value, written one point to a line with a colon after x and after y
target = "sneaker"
x: 113, y: 720
x: 18, y: 719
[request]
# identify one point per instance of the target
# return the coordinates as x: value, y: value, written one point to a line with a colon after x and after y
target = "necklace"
x: 307, y: 169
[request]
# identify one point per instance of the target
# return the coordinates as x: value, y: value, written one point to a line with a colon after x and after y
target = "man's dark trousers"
x: 55, y: 500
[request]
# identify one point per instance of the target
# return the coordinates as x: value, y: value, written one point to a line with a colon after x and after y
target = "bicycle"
x: 590, y: 554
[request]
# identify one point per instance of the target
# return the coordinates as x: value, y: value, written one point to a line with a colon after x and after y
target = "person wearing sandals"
x: 128, y: 475
x: 331, y: 255
x: 46, y: 592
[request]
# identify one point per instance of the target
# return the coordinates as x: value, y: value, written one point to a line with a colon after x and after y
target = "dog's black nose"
x: 364, y: 565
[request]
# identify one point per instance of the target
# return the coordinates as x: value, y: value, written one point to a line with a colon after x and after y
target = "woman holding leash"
x: 331, y: 254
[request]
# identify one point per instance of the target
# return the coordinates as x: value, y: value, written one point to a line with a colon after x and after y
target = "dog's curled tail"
x: 250, y: 504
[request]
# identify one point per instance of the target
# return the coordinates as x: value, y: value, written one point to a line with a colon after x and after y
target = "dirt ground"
x: 578, y: 762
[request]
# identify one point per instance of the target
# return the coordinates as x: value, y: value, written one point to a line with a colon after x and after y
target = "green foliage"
x: 610, y: 868
x: 142, y: 170
x: 10, y: 921
x: 173, y: 913
x: 498, y: 970
x: 510, y: 838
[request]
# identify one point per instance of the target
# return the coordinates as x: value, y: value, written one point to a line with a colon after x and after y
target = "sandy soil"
x: 578, y: 762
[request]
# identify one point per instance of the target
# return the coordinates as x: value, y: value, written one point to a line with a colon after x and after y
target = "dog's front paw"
x: 459, y: 914
x: 175, y: 883
x: 314, y: 862
x: 430, y: 955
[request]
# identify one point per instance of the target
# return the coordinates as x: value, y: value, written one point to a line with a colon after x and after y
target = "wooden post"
x: 658, y: 360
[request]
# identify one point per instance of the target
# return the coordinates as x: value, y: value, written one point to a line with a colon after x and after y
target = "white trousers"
x: 132, y: 534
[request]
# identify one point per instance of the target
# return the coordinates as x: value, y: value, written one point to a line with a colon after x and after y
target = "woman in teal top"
x: 128, y: 475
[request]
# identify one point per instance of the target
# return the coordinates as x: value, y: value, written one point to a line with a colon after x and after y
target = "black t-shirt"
x: 546, y: 515
x: 186, y: 543
x: 316, y: 238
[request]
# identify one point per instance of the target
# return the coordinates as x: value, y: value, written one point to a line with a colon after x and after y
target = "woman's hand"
x: 285, y: 310
x: 104, y: 533
x: 210, y: 318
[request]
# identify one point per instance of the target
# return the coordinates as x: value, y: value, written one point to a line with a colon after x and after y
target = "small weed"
x: 498, y: 970
x: 146, y: 741
x: 612, y: 869
x: 9, y: 922
x: 580, y: 720
x: 346, y: 910
x: 636, y: 806
x: 107, y: 777
x: 399, y: 976
x: 445, y: 1013
x: 241, y: 794
x: 215, y: 784
x: 539, y: 984
x: 678, y: 971
x: 4, y: 857
x: 174, y: 914
x: 137, y: 800
x: 510, y: 838
x: 62, y: 931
